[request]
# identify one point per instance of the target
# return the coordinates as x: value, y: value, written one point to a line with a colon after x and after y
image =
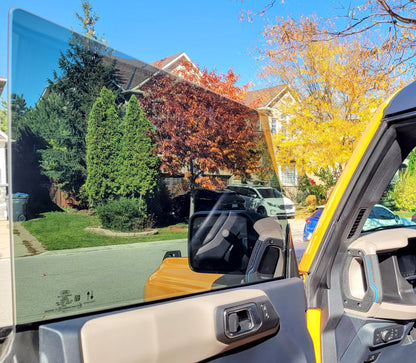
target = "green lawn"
x: 405, y: 214
x: 64, y: 230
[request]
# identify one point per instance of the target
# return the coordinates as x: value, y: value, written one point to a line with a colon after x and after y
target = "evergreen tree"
x: 49, y: 121
x: 139, y: 168
x: 88, y: 20
x: 76, y: 85
x: 59, y: 120
x: 19, y: 111
x: 103, y: 149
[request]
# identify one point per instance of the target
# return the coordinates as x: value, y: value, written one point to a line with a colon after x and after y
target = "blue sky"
x: 210, y: 32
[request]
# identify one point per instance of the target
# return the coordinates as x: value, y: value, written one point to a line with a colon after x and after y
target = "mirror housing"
x: 397, y: 218
x: 221, y: 241
x: 236, y: 243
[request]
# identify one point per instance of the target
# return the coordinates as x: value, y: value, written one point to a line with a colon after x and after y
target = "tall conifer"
x: 103, y: 149
x: 139, y: 166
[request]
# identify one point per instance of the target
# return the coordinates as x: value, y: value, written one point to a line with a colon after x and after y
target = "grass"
x: 405, y: 214
x: 65, y: 230
x: 302, y: 212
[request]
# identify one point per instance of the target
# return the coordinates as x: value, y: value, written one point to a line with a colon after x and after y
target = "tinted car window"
x: 106, y: 152
x: 251, y: 193
x: 241, y: 191
x: 382, y: 213
x: 269, y: 193
x: 372, y: 213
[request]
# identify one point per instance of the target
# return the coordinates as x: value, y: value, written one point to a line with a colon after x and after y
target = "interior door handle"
x: 257, y: 316
x: 241, y: 320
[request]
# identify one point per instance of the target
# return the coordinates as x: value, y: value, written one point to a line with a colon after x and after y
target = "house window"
x: 278, y: 125
x: 288, y: 175
x: 274, y: 126
x: 283, y: 125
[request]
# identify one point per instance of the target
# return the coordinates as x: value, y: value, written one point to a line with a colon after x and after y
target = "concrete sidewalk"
x: 4, y: 239
x: 25, y: 244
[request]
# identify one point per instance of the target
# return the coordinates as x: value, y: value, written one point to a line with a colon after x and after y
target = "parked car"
x: 310, y: 223
x: 206, y: 200
x: 380, y: 216
x: 266, y: 201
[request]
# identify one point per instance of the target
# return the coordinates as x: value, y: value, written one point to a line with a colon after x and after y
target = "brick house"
x: 270, y: 101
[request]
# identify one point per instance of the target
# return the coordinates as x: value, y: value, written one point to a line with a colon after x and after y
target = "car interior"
x: 366, y: 290
x: 89, y: 304
x: 230, y: 290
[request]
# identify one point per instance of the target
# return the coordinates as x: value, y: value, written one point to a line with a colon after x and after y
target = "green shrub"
x: 327, y: 178
x: 311, y: 202
x: 307, y: 188
x: 404, y: 192
x: 83, y: 198
x: 303, y: 189
x: 123, y: 214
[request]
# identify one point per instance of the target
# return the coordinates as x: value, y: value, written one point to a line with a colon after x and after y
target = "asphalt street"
x: 58, y: 283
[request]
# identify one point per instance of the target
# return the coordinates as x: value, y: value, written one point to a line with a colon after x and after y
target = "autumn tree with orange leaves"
x: 390, y: 23
x: 224, y: 84
x: 200, y: 132
x: 337, y: 86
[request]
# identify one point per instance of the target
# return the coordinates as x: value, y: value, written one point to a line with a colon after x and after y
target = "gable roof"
x: 265, y: 95
x: 131, y: 72
x: 171, y: 60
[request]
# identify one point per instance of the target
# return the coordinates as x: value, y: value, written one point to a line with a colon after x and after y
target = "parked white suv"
x: 265, y: 200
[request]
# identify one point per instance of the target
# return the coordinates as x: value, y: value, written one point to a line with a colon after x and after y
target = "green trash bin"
x: 19, y: 206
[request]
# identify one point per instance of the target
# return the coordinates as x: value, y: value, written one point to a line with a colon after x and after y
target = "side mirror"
x: 397, y: 219
x: 221, y: 241
x: 236, y: 242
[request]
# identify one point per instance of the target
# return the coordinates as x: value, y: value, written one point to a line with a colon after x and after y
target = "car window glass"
x: 241, y: 191
x: 384, y: 214
x: 251, y: 193
x: 397, y: 205
x: 110, y: 163
x: 277, y: 194
x: 377, y: 211
x: 372, y: 213
x: 269, y: 193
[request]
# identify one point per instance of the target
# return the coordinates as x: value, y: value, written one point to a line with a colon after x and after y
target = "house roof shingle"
x: 264, y: 95
x: 131, y: 72
x: 164, y: 62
